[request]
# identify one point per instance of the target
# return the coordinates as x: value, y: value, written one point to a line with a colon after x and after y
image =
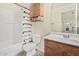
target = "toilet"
x: 30, y: 47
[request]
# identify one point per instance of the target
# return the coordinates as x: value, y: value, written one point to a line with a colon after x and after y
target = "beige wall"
x: 43, y: 27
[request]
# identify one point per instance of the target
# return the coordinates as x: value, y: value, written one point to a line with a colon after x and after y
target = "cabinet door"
x: 71, y: 50
x: 35, y: 10
x: 48, y: 51
x: 53, y: 48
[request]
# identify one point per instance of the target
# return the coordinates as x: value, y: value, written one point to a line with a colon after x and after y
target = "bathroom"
x: 38, y: 29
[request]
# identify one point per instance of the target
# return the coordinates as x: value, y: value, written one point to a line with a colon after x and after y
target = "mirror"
x: 68, y: 21
x: 64, y: 18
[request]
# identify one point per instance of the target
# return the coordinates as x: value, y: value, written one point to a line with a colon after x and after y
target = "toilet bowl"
x: 30, y: 47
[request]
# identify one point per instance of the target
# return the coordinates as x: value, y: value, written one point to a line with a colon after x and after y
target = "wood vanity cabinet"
x: 53, y: 48
x: 36, y: 10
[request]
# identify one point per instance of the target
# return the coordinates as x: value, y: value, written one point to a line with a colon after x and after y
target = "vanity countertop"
x: 59, y: 38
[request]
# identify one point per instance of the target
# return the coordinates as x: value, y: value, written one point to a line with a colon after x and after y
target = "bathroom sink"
x: 70, y: 41
x: 64, y: 39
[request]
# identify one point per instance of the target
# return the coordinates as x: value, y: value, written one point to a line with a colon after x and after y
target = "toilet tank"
x: 36, y: 38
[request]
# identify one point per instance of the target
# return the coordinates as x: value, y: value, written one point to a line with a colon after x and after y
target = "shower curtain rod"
x: 22, y: 6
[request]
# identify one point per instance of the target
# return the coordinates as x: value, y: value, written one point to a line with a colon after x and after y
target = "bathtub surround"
x: 10, y: 24
x: 11, y: 50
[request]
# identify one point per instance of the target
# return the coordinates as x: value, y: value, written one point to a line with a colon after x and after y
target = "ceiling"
x: 56, y: 5
x: 27, y: 5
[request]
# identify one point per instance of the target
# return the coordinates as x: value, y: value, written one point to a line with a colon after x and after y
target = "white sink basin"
x: 69, y: 40
x: 62, y: 39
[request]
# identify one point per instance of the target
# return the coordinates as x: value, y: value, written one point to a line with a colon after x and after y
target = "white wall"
x: 10, y: 24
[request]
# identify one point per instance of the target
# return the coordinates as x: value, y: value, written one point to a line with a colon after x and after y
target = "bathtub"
x: 12, y: 50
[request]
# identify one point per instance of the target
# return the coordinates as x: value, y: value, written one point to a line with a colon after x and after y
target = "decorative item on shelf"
x: 36, y: 19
